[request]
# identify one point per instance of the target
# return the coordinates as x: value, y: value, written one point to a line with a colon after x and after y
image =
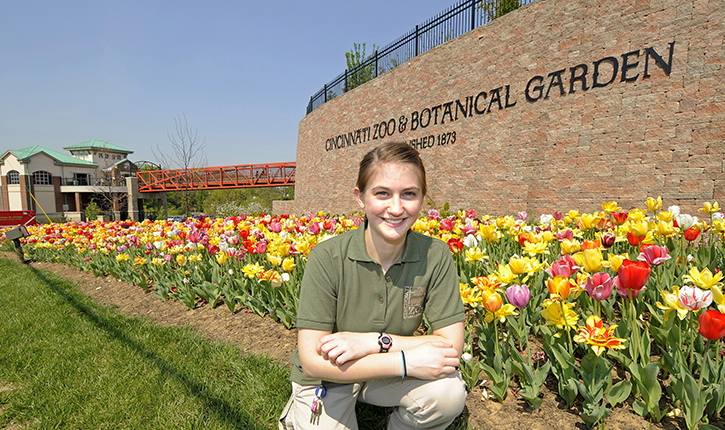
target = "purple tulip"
x: 518, y: 295
x: 599, y: 286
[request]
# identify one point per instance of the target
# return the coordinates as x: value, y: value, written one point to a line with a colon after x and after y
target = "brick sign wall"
x: 559, y: 105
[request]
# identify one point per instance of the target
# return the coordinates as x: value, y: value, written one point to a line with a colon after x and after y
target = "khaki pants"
x: 420, y: 403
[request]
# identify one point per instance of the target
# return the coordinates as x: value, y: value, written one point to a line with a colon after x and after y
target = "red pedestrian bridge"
x: 213, y: 178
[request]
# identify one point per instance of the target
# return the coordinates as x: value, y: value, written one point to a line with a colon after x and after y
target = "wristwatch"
x: 385, y: 342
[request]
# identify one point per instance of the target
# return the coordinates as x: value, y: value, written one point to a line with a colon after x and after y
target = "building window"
x: 13, y: 177
x: 42, y: 178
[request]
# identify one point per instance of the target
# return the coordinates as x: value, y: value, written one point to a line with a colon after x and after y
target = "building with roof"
x: 56, y: 184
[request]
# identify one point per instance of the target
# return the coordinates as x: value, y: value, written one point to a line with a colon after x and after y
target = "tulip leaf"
x: 592, y: 413
x: 619, y: 393
x: 640, y: 408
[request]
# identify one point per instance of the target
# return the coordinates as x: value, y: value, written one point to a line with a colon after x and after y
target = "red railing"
x: 211, y: 178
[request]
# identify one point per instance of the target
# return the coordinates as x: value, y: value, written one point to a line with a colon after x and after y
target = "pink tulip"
x: 654, y: 255
x: 600, y: 286
x: 567, y: 234
x: 518, y: 295
x: 565, y: 266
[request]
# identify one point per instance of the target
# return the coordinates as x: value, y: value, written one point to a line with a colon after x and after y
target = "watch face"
x: 385, y: 340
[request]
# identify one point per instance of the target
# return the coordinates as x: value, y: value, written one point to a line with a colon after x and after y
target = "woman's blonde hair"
x: 390, y: 152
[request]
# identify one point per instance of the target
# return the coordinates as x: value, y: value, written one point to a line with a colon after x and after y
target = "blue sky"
x: 242, y: 72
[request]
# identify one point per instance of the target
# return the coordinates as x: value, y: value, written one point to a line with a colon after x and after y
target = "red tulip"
x: 633, y: 240
x: 631, y: 277
x: 712, y: 324
x: 691, y: 234
x: 455, y: 244
x: 618, y: 218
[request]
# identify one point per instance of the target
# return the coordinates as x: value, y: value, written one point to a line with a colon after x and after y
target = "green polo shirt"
x: 343, y: 289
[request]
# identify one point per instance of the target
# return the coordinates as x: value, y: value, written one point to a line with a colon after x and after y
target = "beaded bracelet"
x: 405, y: 370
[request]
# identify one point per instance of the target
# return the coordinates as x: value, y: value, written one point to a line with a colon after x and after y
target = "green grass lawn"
x: 69, y: 363
x: 66, y: 362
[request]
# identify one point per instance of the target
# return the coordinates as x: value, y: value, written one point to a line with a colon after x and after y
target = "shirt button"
x: 380, y: 300
x: 387, y: 278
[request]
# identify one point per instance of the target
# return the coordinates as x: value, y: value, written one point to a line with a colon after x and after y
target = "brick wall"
x: 578, y: 141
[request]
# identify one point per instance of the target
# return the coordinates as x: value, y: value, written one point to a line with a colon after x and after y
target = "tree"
x: 187, y: 152
x: 232, y: 202
x: 360, y: 71
x: 498, y: 8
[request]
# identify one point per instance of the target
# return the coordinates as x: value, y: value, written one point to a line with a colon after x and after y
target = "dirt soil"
x: 263, y: 336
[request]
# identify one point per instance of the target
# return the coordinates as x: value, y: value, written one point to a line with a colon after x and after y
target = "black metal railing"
x: 449, y: 24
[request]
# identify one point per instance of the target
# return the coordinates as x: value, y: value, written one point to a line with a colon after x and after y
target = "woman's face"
x: 391, y: 202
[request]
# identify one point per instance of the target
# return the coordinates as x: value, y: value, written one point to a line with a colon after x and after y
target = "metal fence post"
x: 473, y: 14
x: 416, y: 40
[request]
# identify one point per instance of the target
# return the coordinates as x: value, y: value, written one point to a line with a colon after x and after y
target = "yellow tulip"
x: 718, y: 226
x: 470, y: 296
x: 614, y: 261
x: 710, y: 208
x: 504, y: 274
x: 547, y: 236
x: 570, y: 246
x: 122, y: 257
x: 518, y: 265
x: 501, y: 313
x: 275, y: 259
x: 610, y: 207
x: 718, y: 298
x: 638, y: 228
x: 665, y: 229
x: 474, y: 254
x: 654, y: 205
x: 589, y: 221
x: 591, y: 260
x: 505, y: 222
x: 251, y: 270
x: 665, y: 216
x: 536, y: 248
x: 672, y: 303
x: 490, y: 232
x: 181, y: 259
x: 288, y: 264
x: 704, y: 279
x: 554, y: 314
x: 221, y: 257
x: 637, y: 214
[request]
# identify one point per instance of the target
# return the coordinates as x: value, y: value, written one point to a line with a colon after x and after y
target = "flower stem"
x: 635, y: 331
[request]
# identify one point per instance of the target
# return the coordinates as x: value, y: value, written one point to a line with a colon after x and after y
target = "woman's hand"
x: 342, y: 347
x: 432, y: 360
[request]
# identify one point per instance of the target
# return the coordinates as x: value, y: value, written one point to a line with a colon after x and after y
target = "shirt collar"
x: 356, y: 249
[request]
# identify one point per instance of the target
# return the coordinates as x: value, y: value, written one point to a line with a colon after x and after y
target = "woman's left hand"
x: 342, y: 347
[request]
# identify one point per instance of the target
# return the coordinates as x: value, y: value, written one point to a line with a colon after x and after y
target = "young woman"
x: 362, y: 298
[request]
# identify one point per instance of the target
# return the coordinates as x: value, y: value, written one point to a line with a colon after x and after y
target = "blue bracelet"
x: 405, y: 370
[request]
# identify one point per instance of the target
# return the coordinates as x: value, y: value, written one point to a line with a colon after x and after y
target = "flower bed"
x: 621, y: 305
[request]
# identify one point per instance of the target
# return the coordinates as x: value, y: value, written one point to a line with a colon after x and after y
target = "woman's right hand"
x: 431, y: 360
